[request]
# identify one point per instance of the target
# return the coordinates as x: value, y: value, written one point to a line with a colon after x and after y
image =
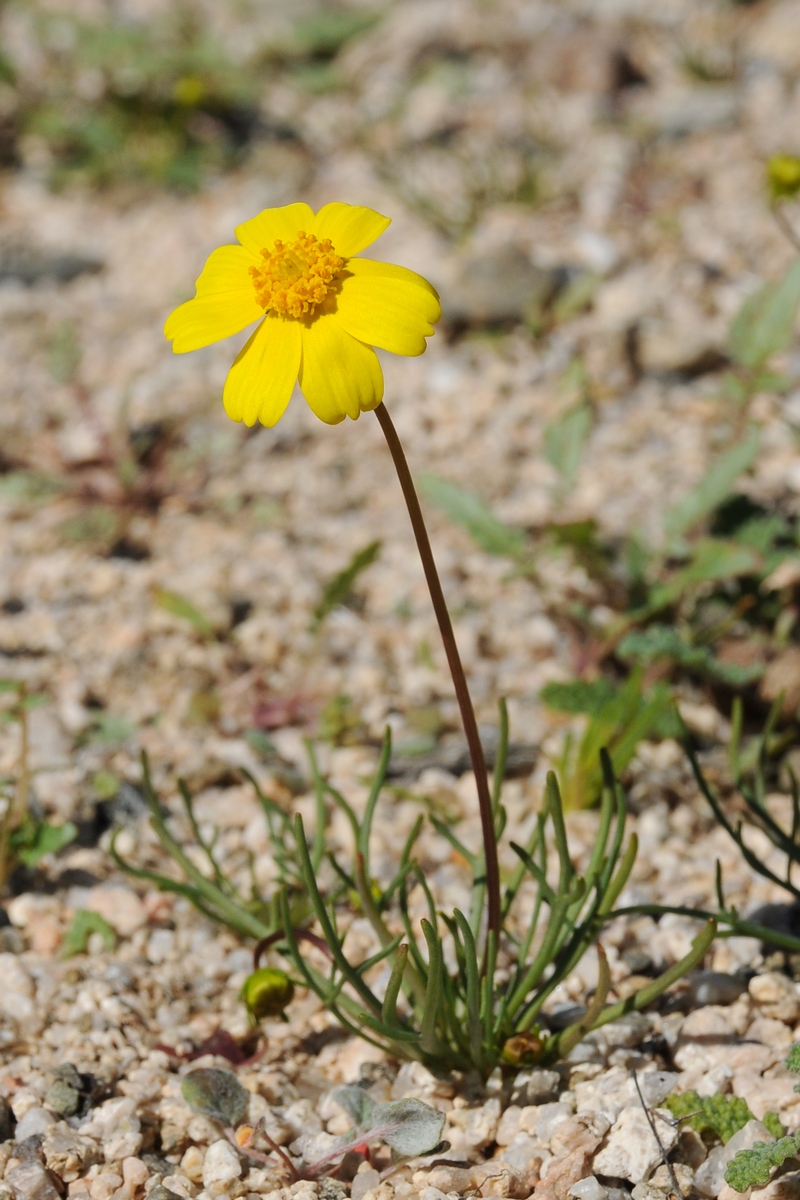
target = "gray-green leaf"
x: 472, y: 513
x: 216, y: 1093
x: 565, y: 441
x: 765, y: 322
x: 714, y: 487
x: 337, y: 590
x: 409, y: 1127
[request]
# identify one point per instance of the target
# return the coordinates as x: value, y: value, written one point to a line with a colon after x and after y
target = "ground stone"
x: 32, y: 1181
x: 36, y: 1120
x: 535, y: 1087
x: 631, y: 1151
x: 589, y: 1188
x: 221, y: 1164
x: 776, y: 995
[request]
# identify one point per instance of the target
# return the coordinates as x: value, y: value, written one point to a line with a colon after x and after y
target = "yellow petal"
x: 387, y: 306
x: 225, y: 302
x: 226, y: 270
x: 260, y: 382
x: 284, y: 223
x: 339, y: 376
x: 349, y: 226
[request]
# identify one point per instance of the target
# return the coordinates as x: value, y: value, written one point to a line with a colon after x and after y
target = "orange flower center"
x: 295, y: 277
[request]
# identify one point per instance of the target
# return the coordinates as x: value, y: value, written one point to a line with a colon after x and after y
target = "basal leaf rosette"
x: 321, y: 312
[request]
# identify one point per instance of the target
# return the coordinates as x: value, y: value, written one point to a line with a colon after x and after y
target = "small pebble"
x: 364, y: 1182
x: 715, y: 987
x: 589, y: 1188
x: 36, y: 1120
x: 221, y: 1164
x: 32, y: 1181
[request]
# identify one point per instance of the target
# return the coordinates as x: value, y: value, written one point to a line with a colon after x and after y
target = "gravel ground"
x: 640, y: 130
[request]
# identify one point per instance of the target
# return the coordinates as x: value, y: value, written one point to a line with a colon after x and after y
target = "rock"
x: 444, y: 1178
x: 525, y: 1157
x: 493, y: 1179
x: 365, y: 1181
x: 479, y: 1125
x: 36, y: 1120
x: 662, y: 1179
x: 709, y: 1178
x: 64, y: 1093
x: 648, y: 1191
x: 30, y: 266
x: 573, y: 1143
x: 66, y: 1154
x: 116, y: 1127
x: 497, y: 287
x: 119, y: 905
x: 535, y: 1087
x: 589, y: 1188
x: 776, y: 995
x: 547, y: 1119
x: 615, y: 1090
x: 775, y: 36
x: 17, y: 995
x: 631, y: 1151
x: 710, y: 1022
x: 628, y: 1032
x: 221, y: 1164
x: 32, y: 1181
x: 715, y: 987
x: 784, y: 1187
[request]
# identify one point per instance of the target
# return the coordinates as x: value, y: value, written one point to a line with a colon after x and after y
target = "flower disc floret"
x: 297, y: 277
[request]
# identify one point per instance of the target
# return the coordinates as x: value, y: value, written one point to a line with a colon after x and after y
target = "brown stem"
x: 455, y: 664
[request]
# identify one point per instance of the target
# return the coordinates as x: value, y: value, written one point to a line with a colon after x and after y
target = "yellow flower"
x: 321, y: 311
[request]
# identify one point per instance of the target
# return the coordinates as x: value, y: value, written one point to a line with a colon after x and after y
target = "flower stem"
x: 455, y: 664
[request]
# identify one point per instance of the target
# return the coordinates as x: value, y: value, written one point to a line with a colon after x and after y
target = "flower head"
x: 321, y: 312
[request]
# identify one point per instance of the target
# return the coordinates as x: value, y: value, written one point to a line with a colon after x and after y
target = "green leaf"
x: 472, y: 513
x: 578, y: 696
x: 565, y: 441
x: 792, y: 1060
x: 216, y: 1093
x: 31, y: 840
x: 710, y: 1116
x: 752, y: 1168
x: 664, y: 641
x: 337, y: 590
x: 714, y: 487
x: 83, y: 924
x: 774, y: 1124
x: 179, y: 606
x: 765, y: 322
x: 322, y: 35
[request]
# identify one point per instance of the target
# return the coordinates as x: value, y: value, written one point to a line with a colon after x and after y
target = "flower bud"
x: 267, y: 992
x: 783, y: 176
x: 523, y: 1050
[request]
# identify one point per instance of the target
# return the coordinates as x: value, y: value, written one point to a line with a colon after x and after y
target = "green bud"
x: 783, y: 176
x: 266, y: 993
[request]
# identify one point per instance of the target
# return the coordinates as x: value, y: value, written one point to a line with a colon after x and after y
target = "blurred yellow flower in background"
x: 321, y: 312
